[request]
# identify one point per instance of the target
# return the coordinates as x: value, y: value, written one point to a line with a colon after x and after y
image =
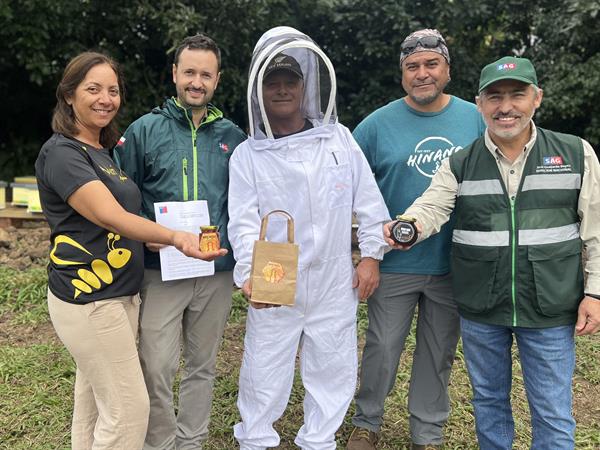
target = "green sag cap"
x: 508, y: 68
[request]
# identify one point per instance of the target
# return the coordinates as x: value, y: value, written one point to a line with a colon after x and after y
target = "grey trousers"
x: 196, y: 309
x: 391, y: 309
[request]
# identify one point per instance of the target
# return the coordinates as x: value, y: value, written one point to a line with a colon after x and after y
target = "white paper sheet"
x: 182, y: 216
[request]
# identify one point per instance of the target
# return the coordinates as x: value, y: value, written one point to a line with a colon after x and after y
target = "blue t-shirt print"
x: 405, y: 148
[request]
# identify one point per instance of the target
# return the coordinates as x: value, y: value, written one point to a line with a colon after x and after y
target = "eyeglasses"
x: 425, y: 42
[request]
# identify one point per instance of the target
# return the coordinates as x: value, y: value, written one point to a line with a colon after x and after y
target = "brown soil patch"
x: 232, y: 348
x: 26, y: 247
x: 19, y: 335
x: 585, y: 403
x: 21, y: 249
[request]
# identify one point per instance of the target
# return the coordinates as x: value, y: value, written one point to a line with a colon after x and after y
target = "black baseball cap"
x: 281, y: 61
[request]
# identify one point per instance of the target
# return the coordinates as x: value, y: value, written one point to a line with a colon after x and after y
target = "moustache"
x: 200, y: 90
x: 511, y: 115
x: 423, y: 84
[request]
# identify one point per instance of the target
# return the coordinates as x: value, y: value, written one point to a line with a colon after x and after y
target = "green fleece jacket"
x: 172, y: 160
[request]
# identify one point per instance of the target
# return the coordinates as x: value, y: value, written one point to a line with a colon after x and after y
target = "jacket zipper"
x: 513, y: 262
x: 194, y: 155
x: 185, y: 179
x: 194, y: 159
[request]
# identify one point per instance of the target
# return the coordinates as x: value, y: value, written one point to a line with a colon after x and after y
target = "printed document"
x: 182, y: 216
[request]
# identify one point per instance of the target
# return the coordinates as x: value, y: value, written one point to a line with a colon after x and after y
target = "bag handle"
x: 290, y: 225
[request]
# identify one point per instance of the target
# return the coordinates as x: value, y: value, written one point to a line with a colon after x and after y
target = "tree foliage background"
x: 362, y: 38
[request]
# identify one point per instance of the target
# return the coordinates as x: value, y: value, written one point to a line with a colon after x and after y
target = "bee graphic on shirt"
x: 98, y: 271
x: 113, y: 172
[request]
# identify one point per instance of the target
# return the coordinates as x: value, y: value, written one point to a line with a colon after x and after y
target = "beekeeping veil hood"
x: 318, y: 104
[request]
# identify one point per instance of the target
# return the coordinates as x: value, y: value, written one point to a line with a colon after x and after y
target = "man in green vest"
x: 526, y: 202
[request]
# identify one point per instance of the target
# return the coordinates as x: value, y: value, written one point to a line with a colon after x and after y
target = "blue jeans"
x: 547, y: 359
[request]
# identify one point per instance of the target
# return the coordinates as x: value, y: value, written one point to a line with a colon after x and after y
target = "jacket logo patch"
x: 553, y: 160
x: 224, y: 147
x: 553, y: 164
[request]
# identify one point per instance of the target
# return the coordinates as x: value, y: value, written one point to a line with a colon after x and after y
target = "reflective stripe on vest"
x: 552, y: 181
x: 482, y: 238
x: 480, y: 187
x: 526, y: 237
x: 549, y: 235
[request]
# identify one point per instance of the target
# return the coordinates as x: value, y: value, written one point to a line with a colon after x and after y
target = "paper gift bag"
x: 274, y: 266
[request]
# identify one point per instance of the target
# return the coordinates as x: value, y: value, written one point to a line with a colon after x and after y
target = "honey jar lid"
x: 406, y: 218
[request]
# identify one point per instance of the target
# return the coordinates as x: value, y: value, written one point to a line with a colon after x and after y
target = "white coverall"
x: 320, y: 177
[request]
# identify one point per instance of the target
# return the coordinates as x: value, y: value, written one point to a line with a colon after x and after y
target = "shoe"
x: 414, y: 446
x: 362, y: 439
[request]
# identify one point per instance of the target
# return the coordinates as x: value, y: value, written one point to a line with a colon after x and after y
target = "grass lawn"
x: 37, y: 375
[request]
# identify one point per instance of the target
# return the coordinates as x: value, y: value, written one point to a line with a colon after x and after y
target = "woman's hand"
x: 188, y: 244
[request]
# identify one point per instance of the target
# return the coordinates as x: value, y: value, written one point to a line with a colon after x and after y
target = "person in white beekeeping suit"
x: 300, y: 159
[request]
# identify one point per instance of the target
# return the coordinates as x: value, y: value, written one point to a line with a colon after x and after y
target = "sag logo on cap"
x: 507, y: 66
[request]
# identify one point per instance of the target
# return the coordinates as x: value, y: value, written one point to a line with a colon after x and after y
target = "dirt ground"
x: 25, y: 247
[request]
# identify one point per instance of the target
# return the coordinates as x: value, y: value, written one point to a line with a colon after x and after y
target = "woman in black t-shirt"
x: 96, y: 257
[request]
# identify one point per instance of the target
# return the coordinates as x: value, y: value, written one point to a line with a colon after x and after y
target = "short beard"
x: 429, y: 99
x: 510, y: 134
x: 199, y: 104
x: 424, y: 101
x: 195, y: 105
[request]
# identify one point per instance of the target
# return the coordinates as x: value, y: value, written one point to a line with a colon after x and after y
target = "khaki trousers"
x: 111, y: 402
x: 192, y: 312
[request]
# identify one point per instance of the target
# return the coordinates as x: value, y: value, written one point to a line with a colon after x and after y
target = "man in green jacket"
x: 526, y: 201
x: 179, y: 152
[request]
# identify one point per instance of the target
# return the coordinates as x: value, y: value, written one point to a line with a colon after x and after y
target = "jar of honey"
x: 209, y: 238
x: 404, y: 231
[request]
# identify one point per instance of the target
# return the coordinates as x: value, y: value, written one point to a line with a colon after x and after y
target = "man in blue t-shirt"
x: 405, y: 143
